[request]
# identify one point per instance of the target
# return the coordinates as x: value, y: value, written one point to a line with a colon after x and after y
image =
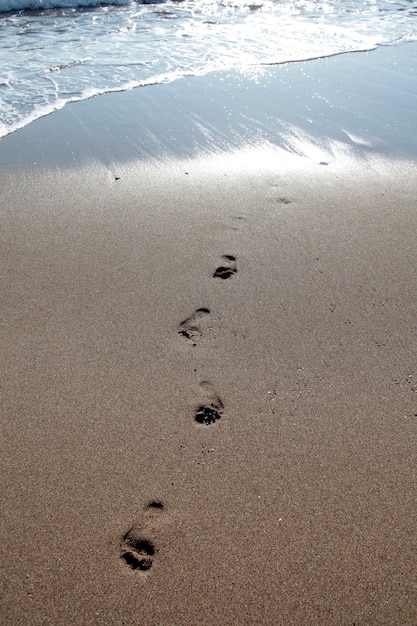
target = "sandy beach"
x: 209, y: 342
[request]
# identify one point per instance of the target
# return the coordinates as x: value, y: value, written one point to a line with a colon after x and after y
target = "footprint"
x: 211, y: 410
x: 237, y: 218
x: 139, y: 554
x: 191, y: 328
x: 137, y: 546
x: 228, y: 269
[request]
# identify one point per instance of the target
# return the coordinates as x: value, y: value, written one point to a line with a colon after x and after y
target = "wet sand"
x: 209, y: 409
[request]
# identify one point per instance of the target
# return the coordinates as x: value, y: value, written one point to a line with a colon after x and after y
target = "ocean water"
x: 58, y: 51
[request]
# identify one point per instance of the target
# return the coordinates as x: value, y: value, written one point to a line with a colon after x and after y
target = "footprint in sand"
x: 192, y: 327
x: 138, y: 546
x: 228, y: 269
x: 211, y: 409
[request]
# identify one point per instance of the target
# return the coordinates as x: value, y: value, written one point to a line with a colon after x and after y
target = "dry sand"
x: 297, y: 504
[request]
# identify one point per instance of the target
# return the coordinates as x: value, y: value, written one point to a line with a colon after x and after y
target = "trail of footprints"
x: 138, y: 548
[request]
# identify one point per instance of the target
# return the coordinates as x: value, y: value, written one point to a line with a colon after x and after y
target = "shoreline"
x: 358, y: 103
x: 295, y: 504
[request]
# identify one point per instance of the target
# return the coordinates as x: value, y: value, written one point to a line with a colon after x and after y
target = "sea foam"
x: 58, y: 51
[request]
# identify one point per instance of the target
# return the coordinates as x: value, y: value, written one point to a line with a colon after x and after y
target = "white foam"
x: 52, y: 58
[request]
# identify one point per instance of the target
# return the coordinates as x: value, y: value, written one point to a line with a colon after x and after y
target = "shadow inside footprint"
x: 207, y: 414
x: 228, y: 269
x: 155, y: 504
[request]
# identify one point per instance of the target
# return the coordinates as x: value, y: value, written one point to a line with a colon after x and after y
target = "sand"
x: 183, y: 444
